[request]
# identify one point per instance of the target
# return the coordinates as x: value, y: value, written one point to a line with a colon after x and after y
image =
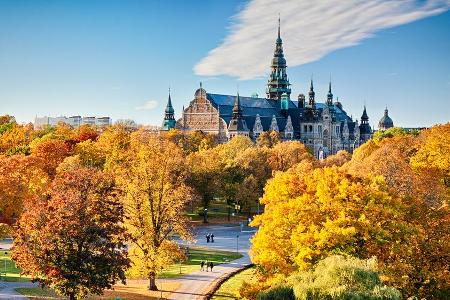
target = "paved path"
x: 7, y: 291
x: 195, y: 285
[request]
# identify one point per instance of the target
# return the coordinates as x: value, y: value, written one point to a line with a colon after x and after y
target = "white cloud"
x: 310, y: 30
x: 149, y: 105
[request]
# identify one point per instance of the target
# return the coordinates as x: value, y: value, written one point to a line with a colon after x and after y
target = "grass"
x: 12, y: 273
x: 196, y: 255
x: 218, y: 213
x: 230, y: 288
x: 133, y: 290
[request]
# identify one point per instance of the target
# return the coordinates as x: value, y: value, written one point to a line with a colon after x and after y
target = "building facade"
x: 74, y: 121
x: 324, y: 127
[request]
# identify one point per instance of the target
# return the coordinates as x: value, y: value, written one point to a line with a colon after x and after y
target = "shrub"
x: 341, y: 278
x: 277, y: 293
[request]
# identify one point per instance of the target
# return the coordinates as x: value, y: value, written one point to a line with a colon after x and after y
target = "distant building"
x: 74, y: 121
x: 103, y: 121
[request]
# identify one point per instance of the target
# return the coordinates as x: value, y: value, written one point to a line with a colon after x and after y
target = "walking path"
x: 7, y: 290
x: 196, y: 285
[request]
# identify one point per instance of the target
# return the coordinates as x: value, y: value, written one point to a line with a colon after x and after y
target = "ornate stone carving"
x: 274, y: 124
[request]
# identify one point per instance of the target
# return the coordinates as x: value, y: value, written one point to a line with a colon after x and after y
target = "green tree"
x: 342, y: 278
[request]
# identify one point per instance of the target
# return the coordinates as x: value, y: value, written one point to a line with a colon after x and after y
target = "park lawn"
x: 12, y: 273
x: 230, y: 288
x: 196, y: 255
x: 131, y: 291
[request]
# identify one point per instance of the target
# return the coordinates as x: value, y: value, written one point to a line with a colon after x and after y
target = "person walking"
x: 212, y: 237
x: 207, y: 237
x: 211, y: 265
x: 202, y: 265
x: 206, y: 265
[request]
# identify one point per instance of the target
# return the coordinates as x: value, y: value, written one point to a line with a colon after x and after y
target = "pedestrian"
x: 206, y: 264
x: 211, y: 265
x: 207, y: 238
x: 212, y: 237
x: 202, y: 265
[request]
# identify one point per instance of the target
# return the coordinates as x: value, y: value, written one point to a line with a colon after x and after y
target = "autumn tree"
x: 204, y: 176
x: 256, y: 171
x: 268, y: 139
x: 287, y: 154
x: 72, y: 237
x: 156, y: 195
x: 434, y: 153
x: 20, y: 178
x: 51, y: 153
x: 338, y: 159
x: 192, y: 141
x: 313, y: 213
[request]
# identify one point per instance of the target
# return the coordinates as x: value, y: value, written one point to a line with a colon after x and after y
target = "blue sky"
x: 118, y: 58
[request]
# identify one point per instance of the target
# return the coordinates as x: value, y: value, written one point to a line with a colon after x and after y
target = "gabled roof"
x: 265, y: 108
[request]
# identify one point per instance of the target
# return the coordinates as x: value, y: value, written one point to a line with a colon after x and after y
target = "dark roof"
x: 266, y: 108
x: 386, y: 121
x: 250, y: 106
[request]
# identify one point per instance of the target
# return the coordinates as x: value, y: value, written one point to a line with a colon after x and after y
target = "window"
x: 310, y: 128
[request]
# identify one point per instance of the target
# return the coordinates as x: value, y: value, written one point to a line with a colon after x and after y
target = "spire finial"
x: 200, y: 84
x: 312, y: 86
x: 279, y: 25
x: 329, y: 86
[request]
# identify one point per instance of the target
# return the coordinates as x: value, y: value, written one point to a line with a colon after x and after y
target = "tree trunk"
x: 72, y: 296
x: 229, y: 213
x: 152, y: 282
x: 205, y: 216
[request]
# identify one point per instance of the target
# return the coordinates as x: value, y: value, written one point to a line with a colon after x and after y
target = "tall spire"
x: 329, y: 95
x: 311, y: 94
x: 169, y: 118
x: 278, y: 82
x: 237, y: 122
x: 279, y: 26
x: 237, y: 111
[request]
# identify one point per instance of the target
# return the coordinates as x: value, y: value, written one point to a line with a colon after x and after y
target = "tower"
x: 284, y: 104
x: 329, y: 95
x: 385, y: 122
x: 278, y: 82
x: 364, y: 127
x: 237, y: 124
x: 312, y: 95
x: 169, y: 119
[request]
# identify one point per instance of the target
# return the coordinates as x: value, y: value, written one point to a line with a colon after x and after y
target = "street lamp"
x: 205, y: 216
x: 237, y: 244
x: 5, y: 259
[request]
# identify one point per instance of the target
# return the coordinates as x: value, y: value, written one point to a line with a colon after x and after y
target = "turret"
x: 169, y: 118
x: 312, y: 95
x: 284, y: 104
x: 385, y: 122
x: 364, y: 128
x: 301, y: 101
x: 237, y: 124
x: 278, y: 82
x: 329, y: 96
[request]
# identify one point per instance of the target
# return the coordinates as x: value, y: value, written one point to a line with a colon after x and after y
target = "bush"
x: 341, y: 278
x: 277, y: 293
